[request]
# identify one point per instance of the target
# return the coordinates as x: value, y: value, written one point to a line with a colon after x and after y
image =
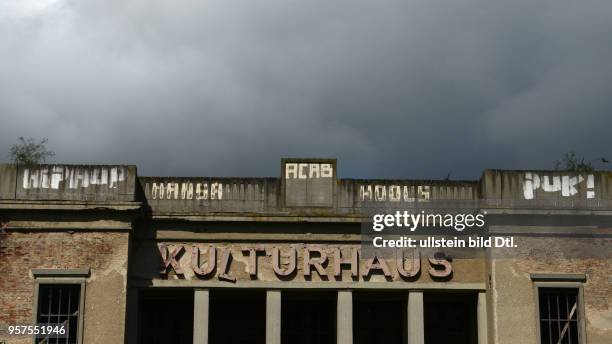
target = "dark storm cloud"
x: 410, y: 89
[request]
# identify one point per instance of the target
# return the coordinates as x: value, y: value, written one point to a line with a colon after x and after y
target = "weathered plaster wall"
x: 105, y: 295
x: 515, y: 317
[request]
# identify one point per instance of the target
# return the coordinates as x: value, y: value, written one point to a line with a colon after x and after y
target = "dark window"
x: 558, y: 315
x: 59, y: 304
x: 379, y: 318
x: 308, y: 318
x: 166, y: 317
x: 234, y: 309
x: 450, y: 318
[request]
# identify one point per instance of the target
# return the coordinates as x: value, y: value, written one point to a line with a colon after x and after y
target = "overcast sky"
x: 393, y: 89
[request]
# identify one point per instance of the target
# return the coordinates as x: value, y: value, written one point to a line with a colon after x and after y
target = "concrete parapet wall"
x: 547, y: 189
x: 305, y: 188
x: 68, y: 182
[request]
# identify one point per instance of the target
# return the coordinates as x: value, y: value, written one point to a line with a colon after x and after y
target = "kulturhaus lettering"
x: 313, y: 259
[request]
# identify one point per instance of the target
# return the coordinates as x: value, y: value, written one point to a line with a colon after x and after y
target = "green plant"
x: 30, y: 152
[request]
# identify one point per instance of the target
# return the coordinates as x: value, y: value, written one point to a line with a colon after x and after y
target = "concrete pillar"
x: 344, y: 312
x: 200, y: 316
x: 482, y: 318
x: 273, y: 317
x: 131, y: 318
x: 416, y: 318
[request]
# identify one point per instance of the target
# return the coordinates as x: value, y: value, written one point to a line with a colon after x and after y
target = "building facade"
x: 119, y: 258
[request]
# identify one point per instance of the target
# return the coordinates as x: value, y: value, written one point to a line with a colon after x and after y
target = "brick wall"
x: 106, y: 255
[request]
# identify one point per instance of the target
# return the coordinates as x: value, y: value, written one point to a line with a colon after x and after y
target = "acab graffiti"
x: 565, y: 184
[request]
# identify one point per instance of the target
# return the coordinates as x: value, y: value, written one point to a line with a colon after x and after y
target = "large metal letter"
x: 316, y: 262
x: 415, y: 266
x: 224, y: 267
x: 208, y: 267
x: 276, y: 264
x: 445, y: 264
x: 170, y: 259
x: 353, y: 261
x: 376, y: 263
x: 252, y: 252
